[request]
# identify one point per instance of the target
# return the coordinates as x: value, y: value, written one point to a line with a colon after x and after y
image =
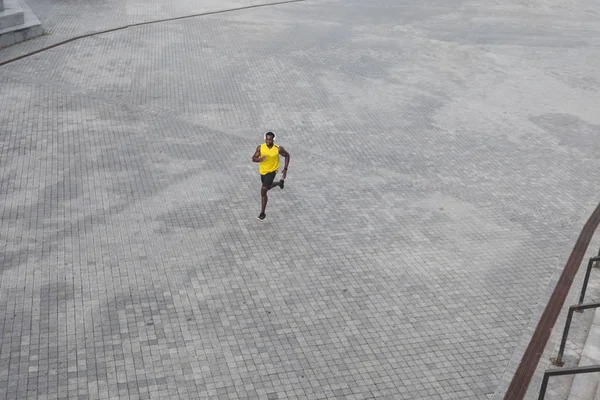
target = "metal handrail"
x: 577, y: 307
x: 526, y: 369
x: 565, y: 371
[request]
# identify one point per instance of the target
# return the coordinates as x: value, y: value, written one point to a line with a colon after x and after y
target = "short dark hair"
x: 270, y: 134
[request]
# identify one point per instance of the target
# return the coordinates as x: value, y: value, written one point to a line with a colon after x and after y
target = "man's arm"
x: 286, y: 155
x: 256, y: 157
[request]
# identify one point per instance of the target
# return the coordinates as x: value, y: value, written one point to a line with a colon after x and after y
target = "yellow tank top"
x: 271, y: 163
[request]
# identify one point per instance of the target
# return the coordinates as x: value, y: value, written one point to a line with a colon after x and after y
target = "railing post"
x: 544, y: 386
x: 587, y: 278
x: 563, y: 342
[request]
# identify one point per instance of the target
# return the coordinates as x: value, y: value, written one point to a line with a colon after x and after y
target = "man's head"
x: 269, y: 138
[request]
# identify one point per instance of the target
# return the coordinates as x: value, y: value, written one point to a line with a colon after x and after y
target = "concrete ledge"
x: 11, y: 17
x: 28, y: 29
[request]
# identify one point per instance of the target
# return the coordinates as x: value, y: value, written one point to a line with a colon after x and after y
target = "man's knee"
x: 263, y: 191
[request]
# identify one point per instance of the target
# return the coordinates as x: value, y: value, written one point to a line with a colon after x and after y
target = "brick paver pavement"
x: 444, y: 158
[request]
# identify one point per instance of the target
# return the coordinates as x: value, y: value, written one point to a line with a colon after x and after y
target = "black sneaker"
x: 262, y: 216
x: 281, y: 184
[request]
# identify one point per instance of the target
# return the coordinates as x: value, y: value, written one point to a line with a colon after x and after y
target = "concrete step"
x: 11, y: 17
x: 28, y: 25
x: 585, y: 386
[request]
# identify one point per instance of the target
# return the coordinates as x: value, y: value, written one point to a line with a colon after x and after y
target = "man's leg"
x: 267, y: 182
x: 274, y: 184
x: 264, y: 198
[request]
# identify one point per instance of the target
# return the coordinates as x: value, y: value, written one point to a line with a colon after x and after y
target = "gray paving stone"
x: 442, y: 165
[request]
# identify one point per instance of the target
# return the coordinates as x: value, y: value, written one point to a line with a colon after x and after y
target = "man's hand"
x: 283, y: 174
x: 261, y: 159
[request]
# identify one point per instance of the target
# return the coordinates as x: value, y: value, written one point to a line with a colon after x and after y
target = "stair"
x: 585, y: 386
x: 17, y: 23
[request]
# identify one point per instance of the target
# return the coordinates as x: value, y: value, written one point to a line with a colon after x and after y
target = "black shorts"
x: 267, y: 179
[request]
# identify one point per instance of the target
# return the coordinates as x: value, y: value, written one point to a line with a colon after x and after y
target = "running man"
x: 267, y: 155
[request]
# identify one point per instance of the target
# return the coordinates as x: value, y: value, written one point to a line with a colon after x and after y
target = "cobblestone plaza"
x: 444, y: 156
